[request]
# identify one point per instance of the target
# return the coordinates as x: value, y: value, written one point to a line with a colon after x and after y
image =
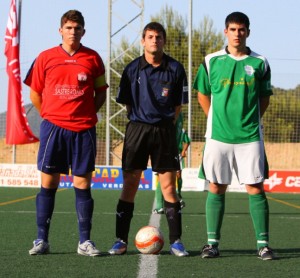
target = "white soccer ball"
x: 149, y: 240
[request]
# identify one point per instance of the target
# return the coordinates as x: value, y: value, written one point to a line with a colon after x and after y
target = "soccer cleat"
x: 177, y: 249
x: 210, y: 251
x: 119, y: 248
x: 40, y: 247
x: 265, y: 253
x: 182, y: 203
x: 88, y: 248
x: 158, y: 211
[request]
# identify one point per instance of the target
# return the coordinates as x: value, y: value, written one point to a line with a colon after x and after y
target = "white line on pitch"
x: 148, y: 263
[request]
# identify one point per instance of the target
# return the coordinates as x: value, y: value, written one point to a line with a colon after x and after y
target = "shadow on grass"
x: 103, y: 254
x: 281, y: 254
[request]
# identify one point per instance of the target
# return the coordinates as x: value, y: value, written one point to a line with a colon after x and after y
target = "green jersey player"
x: 234, y: 87
x: 183, y: 143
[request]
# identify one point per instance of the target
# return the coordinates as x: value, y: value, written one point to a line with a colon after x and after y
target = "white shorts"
x: 247, y: 160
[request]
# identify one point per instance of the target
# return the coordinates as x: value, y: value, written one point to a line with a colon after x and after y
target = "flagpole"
x: 14, y: 152
x: 19, y: 20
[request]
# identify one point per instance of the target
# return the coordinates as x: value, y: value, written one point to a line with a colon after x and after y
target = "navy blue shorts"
x: 144, y: 141
x: 61, y: 150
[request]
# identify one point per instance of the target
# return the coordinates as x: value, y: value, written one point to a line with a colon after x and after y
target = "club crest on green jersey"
x: 249, y: 70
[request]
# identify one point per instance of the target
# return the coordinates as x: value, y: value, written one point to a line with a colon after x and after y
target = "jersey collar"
x: 163, y: 65
x: 80, y: 46
x: 248, y: 50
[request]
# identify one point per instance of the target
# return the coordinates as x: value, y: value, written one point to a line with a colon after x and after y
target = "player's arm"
x: 263, y: 104
x: 204, y: 101
x: 36, y: 99
x: 185, y: 144
x: 177, y: 112
x: 100, y: 91
x: 203, y: 87
x: 100, y: 97
x: 184, y: 150
x: 128, y: 109
x: 124, y: 95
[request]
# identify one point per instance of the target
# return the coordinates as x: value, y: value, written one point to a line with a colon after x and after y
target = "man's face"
x: 71, y: 33
x: 153, y: 42
x: 236, y: 34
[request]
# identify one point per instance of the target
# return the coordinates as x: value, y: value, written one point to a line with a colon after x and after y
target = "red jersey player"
x: 68, y: 87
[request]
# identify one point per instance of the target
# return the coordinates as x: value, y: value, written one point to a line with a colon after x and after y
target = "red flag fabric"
x: 17, y: 127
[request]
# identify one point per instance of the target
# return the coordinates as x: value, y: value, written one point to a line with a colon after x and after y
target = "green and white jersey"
x: 235, y: 85
x: 184, y: 139
x: 181, y: 135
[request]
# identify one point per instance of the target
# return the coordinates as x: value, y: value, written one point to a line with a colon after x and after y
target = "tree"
x: 282, y: 119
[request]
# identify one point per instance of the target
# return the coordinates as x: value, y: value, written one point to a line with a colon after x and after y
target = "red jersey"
x: 67, y: 85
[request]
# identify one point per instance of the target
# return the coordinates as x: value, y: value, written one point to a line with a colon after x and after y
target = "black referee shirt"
x: 153, y: 92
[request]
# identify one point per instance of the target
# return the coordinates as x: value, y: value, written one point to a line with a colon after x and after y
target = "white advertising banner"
x: 191, y: 182
x: 19, y: 175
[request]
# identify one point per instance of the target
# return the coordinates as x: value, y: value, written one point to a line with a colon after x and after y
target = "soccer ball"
x: 149, y: 240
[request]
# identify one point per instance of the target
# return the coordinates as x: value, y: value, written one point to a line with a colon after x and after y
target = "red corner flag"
x: 17, y: 127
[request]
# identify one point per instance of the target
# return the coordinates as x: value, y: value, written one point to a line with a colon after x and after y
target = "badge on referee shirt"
x: 165, y: 92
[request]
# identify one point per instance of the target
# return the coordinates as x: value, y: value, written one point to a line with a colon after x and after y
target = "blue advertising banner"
x: 109, y: 177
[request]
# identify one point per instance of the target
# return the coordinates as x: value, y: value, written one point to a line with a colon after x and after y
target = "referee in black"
x: 153, y: 87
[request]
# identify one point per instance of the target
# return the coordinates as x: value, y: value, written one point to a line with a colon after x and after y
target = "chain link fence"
x: 281, y: 121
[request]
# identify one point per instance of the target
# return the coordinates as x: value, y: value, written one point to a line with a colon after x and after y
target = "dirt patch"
x: 281, y: 156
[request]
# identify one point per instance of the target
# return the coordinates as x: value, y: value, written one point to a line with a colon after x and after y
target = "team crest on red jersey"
x: 82, y: 76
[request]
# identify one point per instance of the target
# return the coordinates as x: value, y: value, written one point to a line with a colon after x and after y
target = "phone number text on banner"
x: 19, y: 175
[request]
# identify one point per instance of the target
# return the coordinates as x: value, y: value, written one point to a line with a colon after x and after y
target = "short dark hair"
x: 72, y: 15
x: 237, y: 17
x: 155, y: 26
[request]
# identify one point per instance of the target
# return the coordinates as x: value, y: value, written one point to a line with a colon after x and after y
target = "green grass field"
x: 238, y: 259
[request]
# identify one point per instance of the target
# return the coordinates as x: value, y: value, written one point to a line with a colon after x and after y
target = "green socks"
x: 159, y: 199
x: 259, y: 210
x: 179, y: 186
x: 215, y: 207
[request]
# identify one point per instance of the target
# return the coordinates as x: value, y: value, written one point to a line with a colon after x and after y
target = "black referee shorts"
x: 157, y: 142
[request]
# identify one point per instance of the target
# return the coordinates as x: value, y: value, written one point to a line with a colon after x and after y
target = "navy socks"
x: 45, y: 200
x: 84, y: 209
